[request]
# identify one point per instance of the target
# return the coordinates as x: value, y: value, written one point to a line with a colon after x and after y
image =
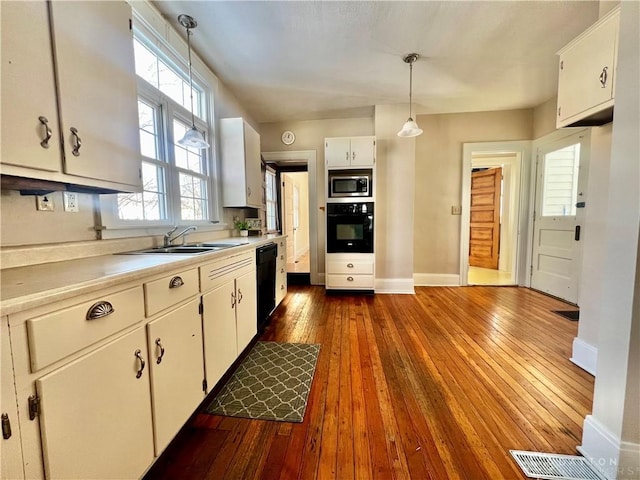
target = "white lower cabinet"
x: 281, y: 271
x: 95, y: 416
x: 177, y: 370
x: 350, y: 271
x: 10, y: 447
x: 229, y: 311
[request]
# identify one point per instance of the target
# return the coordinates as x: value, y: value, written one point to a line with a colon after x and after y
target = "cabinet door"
x: 96, y: 415
x: 252, y: 166
x: 219, y: 331
x: 28, y: 88
x: 177, y: 370
x: 362, y: 151
x: 97, y: 88
x: 281, y: 272
x: 337, y: 152
x: 247, y: 309
x: 10, y: 448
x: 581, y: 67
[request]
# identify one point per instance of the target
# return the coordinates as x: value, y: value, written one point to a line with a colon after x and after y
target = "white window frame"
x: 113, y: 226
x: 270, y: 176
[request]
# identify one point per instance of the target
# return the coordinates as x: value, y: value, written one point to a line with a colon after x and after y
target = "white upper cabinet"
x: 30, y: 132
x: 343, y: 152
x: 97, y: 95
x: 242, y: 183
x: 587, y: 74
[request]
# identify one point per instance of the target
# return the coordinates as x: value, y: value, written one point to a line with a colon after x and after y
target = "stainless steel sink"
x: 181, y: 249
x: 191, y: 249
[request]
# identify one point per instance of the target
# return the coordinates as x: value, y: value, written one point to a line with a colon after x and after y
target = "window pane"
x: 560, y: 182
x: 148, y: 144
x: 170, y: 83
x: 193, y: 198
x: 152, y: 205
x: 130, y: 206
x: 147, y: 121
x: 146, y: 63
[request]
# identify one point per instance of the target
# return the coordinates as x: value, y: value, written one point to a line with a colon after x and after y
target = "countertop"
x: 22, y: 288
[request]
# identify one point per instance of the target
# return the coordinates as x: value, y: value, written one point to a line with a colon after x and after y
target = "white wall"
x: 612, y: 433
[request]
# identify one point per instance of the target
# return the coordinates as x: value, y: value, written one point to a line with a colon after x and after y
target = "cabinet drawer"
x: 349, y: 281
x: 217, y: 273
x: 58, y: 334
x: 350, y: 267
x: 169, y: 290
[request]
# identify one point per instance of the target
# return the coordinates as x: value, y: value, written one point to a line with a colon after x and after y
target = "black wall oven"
x: 350, y: 227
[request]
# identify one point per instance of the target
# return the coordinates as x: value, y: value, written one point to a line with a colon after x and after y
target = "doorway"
x: 494, y: 211
x: 295, y: 216
x: 305, y: 160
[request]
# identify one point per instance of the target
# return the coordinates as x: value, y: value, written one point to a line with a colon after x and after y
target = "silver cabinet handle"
x: 6, y: 426
x: 281, y: 257
x: 233, y: 299
x: 76, y: 142
x: 350, y: 279
x: 603, y: 78
x: 99, y: 310
x: 47, y: 132
x: 239, y: 296
x: 349, y: 265
x: 176, y: 282
x: 159, y: 344
x: 138, y: 355
x: 282, y: 270
x: 347, y: 155
x: 353, y: 155
x: 281, y: 287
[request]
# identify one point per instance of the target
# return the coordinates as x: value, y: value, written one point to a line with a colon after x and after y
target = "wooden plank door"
x: 484, y: 226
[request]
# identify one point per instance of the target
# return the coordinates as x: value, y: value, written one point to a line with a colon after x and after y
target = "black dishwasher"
x: 266, y: 278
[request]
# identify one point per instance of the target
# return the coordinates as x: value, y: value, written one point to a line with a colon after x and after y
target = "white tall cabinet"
x: 241, y: 164
x: 96, y: 143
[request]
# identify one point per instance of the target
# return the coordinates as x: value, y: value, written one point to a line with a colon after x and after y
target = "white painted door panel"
x: 246, y: 309
x: 96, y: 415
x: 177, y: 370
x: 557, y: 247
x: 28, y: 87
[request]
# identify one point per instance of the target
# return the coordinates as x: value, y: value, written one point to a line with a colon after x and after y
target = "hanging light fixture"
x: 193, y: 138
x: 410, y: 128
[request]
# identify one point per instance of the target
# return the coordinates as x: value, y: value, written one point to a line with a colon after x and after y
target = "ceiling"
x: 290, y: 60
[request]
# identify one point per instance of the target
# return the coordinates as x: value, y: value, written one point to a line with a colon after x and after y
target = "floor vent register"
x: 555, y: 466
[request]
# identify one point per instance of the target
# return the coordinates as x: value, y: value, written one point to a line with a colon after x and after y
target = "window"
x: 177, y: 181
x: 271, y: 201
x: 560, y: 184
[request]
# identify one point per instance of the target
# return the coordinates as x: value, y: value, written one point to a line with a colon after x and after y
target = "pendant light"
x: 193, y: 138
x: 410, y: 128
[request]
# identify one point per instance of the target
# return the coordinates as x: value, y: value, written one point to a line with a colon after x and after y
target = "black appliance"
x: 349, y: 184
x: 350, y: 227
x: 266, y: 280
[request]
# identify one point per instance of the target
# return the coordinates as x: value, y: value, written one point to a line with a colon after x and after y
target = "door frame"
x: 522, y: 151
x: 308, y: 157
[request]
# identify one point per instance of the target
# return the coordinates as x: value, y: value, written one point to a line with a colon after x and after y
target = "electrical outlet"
x: 456, y: 210
x: 44, y: 203
x: 70, y: 200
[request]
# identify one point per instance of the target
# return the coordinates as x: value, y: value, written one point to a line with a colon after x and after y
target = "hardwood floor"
x: 437, y: 385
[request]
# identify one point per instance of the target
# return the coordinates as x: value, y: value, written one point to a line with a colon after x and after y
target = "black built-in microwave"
x: 345, y: 184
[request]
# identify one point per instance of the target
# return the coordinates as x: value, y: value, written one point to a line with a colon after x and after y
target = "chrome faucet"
x: 168, y: 239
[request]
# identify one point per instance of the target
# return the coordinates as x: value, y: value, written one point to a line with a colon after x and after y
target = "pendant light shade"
x: 193, y: 138
x: 410, y: 127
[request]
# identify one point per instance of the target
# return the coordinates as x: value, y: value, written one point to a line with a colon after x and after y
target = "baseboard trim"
x: 436, y: 279
x: 613, y: 458
x: 394, y: 285
x: 585, y: 356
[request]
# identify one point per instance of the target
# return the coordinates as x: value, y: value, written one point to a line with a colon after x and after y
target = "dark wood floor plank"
x: 437, y: 385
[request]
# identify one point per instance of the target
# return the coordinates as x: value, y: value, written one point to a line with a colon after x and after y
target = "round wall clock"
x: 288, y: 137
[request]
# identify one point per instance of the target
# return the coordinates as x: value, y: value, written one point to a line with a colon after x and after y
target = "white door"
x: 177, y: 370
x: 288, y: 216
x: 562, y: 169
x: 96, y: 418
x: 219, y: 331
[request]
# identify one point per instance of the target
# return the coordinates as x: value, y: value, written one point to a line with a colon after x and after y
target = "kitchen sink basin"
x: 181, y: 249
x: 191, y: 249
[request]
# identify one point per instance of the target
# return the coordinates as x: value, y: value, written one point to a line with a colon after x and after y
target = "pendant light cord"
x: 193, y: 121
x: 410, y: 88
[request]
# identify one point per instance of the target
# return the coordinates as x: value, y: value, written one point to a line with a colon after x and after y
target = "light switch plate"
x: 456, y: 210
x: 44, y: 203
